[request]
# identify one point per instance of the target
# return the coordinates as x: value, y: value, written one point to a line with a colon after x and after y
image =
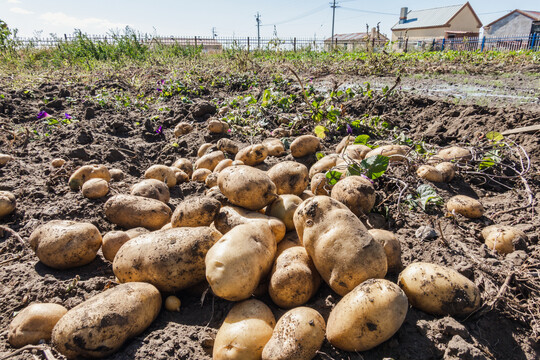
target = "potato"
x: 209, y: 161
x: 283, y: 208
x: 466, y: 206
x: 227, y: 146
x: 246, y: 329
x: 247, y: 187
x: 152, y: 189
x: 63, y: 244
x: 99, y: 326
x: 306, y: 194
x: 161, y: 173
x: 454, y: 153
x: 5, y: 158
x: 356, y: 192
x: 205, y: 149
x: 323, y: 165
x: 184, y: 165
x: 392, y: 248
x: 294, y: 279
x: 345, y: 142
x: 394, y: 152
x: 130, y: 211
x: 504, y: 239
x: 133, y: 233
x: 357, y: 152
x: 57, y: 163
x: 86, y: 172
x: 95, y: 188
x: 447, y: 170
x: 217, y: 126
x: 7, y: 203
x: 343, y: 251
x: 275, y: 147
x: 299, y: 334
x: 239, y: 260
x: 231, y: 216
x: 215, y: 193
x: 439, y: 290
x: 34, y: 323
x: 172, y: 303
x: 252, y: 155
x: 367, y: 316
x: 320, y: 185
x: 171, y: 260
x: 225, y: 163
x: 289, y: 177
x: 195, y: 211
x: 291, y: 239
x: 112, y: 241
x: 305, y: 145
x: 211, y: 180
x: 200, y: 175
x: 429, y: 173
x: 182, y: 128
x: 180, y: 175
x: 117, y: 174
x: 167, y: 226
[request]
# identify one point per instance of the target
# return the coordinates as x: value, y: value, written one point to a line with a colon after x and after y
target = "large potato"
x: 289, y: 177
x: 34, y: 323
x: 367, y: 316
x: 246, y: 329
x: 195, y: 211
x: 247, y: 187
x: 466, y: 206
x: 86, y: 172
x: 343, y: 251
x: 252, y: 155
x: 95, y: 188
x: 185, y: 165
x: 323, y: 165
x: 112, y: 242
x: 454, y: 153
x: 305, y: 145
x: 283, y: 208
x: 171, y: 260
x: 393, y: 152
x: 356, y: 192
x: 298, y: 335
x: 392, y: 248
x: 99, y: 326
x: 7, y: 203
x: 152, y: 189
x: 209, y: 161
x: 131, y: 211
x: 231, y: 216
x: 161, y: 173
x: 439, y: 290
x: 64, y: 244
x: 237, y: 263
x: 275, y: 147
x: 504, y: 239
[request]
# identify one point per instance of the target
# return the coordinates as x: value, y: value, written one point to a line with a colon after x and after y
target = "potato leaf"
x: 361, y: 139
x: 494, y: 136
x: 319, y: 155
x: 375, y: 166
x: 428, y: 196
x: 333, y: 177
x: 320, y: 131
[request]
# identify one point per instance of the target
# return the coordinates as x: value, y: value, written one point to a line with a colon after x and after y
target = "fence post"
x: 248, y: 43
x: 406, y: 44
x: 195, y: 41
x: 294, y: 44
x: 442, y: 45
x: 483, y: 43
x: 533, y: 41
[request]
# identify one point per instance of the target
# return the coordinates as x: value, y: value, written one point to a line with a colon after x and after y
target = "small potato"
x: 392, y: 248
x: 320, y: 185
x: 447, y: 170
x: 252, y: 155
x: 182, y: 128
x: 356, y: 192
x: 466, y: 206
x: 247, y: 187
x: 246, y: 329
x: 161, y: 173
x: 63, y: 244
x: 439, y: 290
x: 225, y: 163
x: 5, y: 158
x: 195, y: 211
x: 283, y: 208
x: 227, y: 146
x: 7, y: 203
x: 299, y: 334
x: 323, y: 165
x: 210, y: 160
x: 95, y: 188
x: 289, y: 177
x: 211, y: 180
x: 34, y: 323
x: 131, y: 211
x: 305, y: 145
x: 185, y: 165
x: 152, y: 189
x: 205, y: 149
x: 393, y: 152
x: 180, y: 175
x: 86, y: 172
x: 172, y: 303
x: 375, y: 310
x: 117, y: 174
x: 99, y: 326
x: 455, y: 153
x: 57, y: 163
x: 112, y: 242
x: 504, y: 239
x: 217, y: 127
x: 200, y: 175
x: 429, y: 173
x: 275, y: 147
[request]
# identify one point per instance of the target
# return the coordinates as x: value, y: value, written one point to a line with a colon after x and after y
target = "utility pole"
x: 333, y: 6
x: 214, y: 34
x: 258, y: 19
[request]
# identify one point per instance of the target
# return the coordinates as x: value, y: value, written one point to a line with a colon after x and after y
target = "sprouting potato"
x: 161, y: 173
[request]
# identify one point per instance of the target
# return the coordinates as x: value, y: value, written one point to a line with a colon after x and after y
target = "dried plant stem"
x: 14, y: 233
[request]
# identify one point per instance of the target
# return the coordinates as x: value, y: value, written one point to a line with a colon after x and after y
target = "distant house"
x: 449, y: 22
x: 355, y: 41
x: 517, y: 22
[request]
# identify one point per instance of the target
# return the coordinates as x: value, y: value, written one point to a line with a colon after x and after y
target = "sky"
x: 302, y: 18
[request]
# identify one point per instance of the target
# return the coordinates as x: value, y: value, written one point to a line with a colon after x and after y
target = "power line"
x: 369, y: 11
x: 495, y: 12
x: 298, y: 17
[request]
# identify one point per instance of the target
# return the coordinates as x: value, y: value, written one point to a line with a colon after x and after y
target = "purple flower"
x: 365, y: 177
x: 67, y: 116
x: 161, y: 82
x: 42, y: 114
x: 349, y: 129
x: 229, y: 131
x: 160, y: 90
x: 159, y: 130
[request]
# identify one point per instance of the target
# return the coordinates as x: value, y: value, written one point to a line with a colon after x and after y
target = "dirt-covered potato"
x: 393, y: 152
x: 231, y: 216
x: 289, y: 177
x: 161, y: 173
x: 504, y: 239
x: 171, y: 260
x: 305, y: 145
x: 117, y: 174
x: 454, y: 153
x: 227, y: 146
x: 185, y: 165
x: 252, y: 155
x: 99, y: 326
x: 134, y: 232
x: 345, y: 142
x: 343, y: 251
x: 447, y: 170
x: 57, y: 163
x: 275, y: 147
x: 439, y: 290
x: 298, y: 335
x: 195, y: 211
x: 34, y: 323
x: 180, y: 175
x: 5, y: 158
x: 64, y: 244
x: 466, y: 206
x: 429, y: 173
x: 247, y: 187
x: 217, y: 126
x: 320, y: 185
x: 294, y: 279
x: 357, y: 152
x: 367, y: 316
x: 210, y: 160
x: 323, y: 165
x: 8, y: 203
x: 244, y: 332
x: 86, y: 172
x: 95, y: 188
x: 215, y: 193
x: 211, y: 180
x: 182, y: 128
x: 306, y: 194
x: 205, y: 149
x: 283, y: 208
x: 152, y: 189
x: 356, y: 192
x: 112, y: 242
x: 392, y: 248
x: 130, y: 211
x: 200, y: 175
x: 225, y: 163
x: 239, y: 260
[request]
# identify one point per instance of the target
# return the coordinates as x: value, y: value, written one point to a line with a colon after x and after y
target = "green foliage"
x: 333, y: 177
x: 361, y: 140
x: 375, y: 166
x: 425, y: 197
